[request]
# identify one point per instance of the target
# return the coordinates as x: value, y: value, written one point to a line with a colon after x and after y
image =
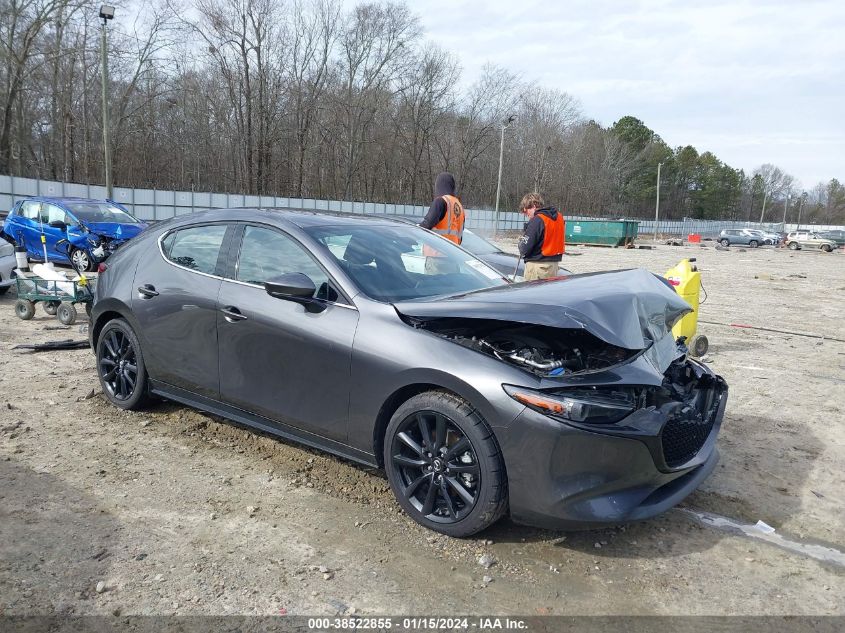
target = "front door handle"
x: 148, y: 290
x: 232, y: 314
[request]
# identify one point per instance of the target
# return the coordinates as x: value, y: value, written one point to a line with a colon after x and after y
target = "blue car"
x: 91, y: 229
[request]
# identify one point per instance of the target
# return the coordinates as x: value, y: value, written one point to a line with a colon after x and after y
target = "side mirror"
x: 58, y: 224
x: 296, y: 287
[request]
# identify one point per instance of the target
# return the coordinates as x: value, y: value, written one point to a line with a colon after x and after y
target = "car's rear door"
x: 25, y: 229
x: 277, y: 358
x: 174, y: 299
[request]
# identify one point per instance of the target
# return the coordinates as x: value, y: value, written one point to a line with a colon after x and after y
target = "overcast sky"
x: 753, y: 81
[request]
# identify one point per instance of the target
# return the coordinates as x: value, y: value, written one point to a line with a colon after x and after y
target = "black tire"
x: 827, y: 248
x: 753, y: 243
x: 66, y: 313
x: 699, y: 345
x: 476, y: 495
x: 24, y: 309
x: 4, y: 290
x: 88, y: 308
x: 793, y: 246
x: 50, y: 307
x: 725, y: 242
x: 81, y: 260
x: 124, y: 382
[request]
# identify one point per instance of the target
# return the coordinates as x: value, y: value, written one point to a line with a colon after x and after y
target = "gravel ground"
x: 172, y: 511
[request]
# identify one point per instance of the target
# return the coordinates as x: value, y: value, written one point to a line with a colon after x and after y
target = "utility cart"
x: 58, y: 298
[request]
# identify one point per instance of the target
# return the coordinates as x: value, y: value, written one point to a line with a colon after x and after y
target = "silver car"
x: 7, y: 266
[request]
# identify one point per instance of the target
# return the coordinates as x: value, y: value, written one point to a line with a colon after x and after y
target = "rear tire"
x: 24, y: 309
x: 827, y: 248
x: 725, y: 242
x: 120, y: 366
x: 793, y: 246
x: 50, y: 307
x: 444, y: 465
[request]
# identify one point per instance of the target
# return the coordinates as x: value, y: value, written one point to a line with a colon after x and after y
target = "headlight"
x: 579, y: 406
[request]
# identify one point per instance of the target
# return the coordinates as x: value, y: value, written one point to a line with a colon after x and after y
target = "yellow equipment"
x: 686, y: 280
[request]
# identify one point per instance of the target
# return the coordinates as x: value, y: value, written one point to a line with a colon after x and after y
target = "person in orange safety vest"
x: 446, y: 218
x: 543, y: 241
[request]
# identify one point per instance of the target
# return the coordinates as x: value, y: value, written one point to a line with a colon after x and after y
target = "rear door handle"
x: 148, y: 291
x: 232, y: 314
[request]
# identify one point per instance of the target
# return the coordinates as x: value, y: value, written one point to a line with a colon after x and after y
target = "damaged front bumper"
x: 571, y: 475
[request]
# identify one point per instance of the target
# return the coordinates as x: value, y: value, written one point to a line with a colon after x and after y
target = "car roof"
x: 299, y: 217
x: 63, y: 199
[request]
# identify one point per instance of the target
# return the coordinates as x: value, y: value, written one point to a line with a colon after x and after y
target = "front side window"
x: 196, y: 248
x: 52, y: 213
x: 267, y: 254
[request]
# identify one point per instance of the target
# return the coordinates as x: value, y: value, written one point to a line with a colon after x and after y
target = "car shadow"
x: 43, y: 520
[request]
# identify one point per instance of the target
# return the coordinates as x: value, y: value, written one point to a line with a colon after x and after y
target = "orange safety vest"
x: 451, y: 225
x: 554, y: 235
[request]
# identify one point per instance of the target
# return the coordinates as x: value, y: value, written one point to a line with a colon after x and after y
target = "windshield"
x: 100, y: 212
x: 394, y: 263
x: 477, y: 245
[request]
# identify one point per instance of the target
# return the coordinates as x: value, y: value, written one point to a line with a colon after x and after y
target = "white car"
x: 7, y: 265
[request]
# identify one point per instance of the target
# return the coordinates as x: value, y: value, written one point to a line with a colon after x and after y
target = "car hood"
x: 115, y: 230
x: 633, y: 309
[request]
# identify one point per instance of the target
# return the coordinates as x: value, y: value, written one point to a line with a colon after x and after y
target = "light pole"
x: 657, y: 204
x: 106, y: 13
x: 505, y: 124
x: 785, y: 207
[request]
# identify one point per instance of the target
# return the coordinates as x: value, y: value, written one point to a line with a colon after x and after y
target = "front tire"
x: 66, y: 313
x: 725, y: 242
x: 753, y: 243
x: 444, y: 465
x: 827, y: 248
x: 793, y: 246
x: 120, y: 366
x: 81, y: 260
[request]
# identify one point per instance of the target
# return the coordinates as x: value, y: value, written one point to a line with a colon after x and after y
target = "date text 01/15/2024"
x: 417, y: 623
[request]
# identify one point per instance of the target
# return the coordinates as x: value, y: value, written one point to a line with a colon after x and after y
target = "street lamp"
x: 657, y: 204
x: 505, y: 124
x: 106, y: 14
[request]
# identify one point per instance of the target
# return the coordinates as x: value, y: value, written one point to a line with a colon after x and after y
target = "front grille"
x: 684, y: 435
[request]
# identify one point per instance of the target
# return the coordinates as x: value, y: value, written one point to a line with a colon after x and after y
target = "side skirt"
x: 261, y: 423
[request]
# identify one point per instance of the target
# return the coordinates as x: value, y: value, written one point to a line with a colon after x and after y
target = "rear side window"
x: 196, y: 248
x: 30, y: 210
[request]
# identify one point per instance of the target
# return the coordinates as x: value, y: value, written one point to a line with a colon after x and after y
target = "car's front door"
x: 277, y: 358
x: 174, y: 298
x: 52, y: 234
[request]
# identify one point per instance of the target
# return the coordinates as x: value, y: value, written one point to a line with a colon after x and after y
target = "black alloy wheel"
x: 120, y: 366
x: 444, y: 465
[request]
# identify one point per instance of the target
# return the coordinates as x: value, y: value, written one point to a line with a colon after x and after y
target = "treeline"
x: 308, y: 98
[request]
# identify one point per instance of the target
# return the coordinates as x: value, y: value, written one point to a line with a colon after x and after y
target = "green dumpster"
x: 601, y: 232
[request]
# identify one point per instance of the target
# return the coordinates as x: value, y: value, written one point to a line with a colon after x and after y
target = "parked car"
x: 768, y: 237
x: 837, y: 236
x: 92, y: 229
x: 806, y: 239
x: 7, y: 266
x: 744, y: 237
x: 565, y: 402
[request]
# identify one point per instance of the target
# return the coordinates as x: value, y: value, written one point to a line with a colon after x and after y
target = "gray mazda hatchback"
x: 564, y: 402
